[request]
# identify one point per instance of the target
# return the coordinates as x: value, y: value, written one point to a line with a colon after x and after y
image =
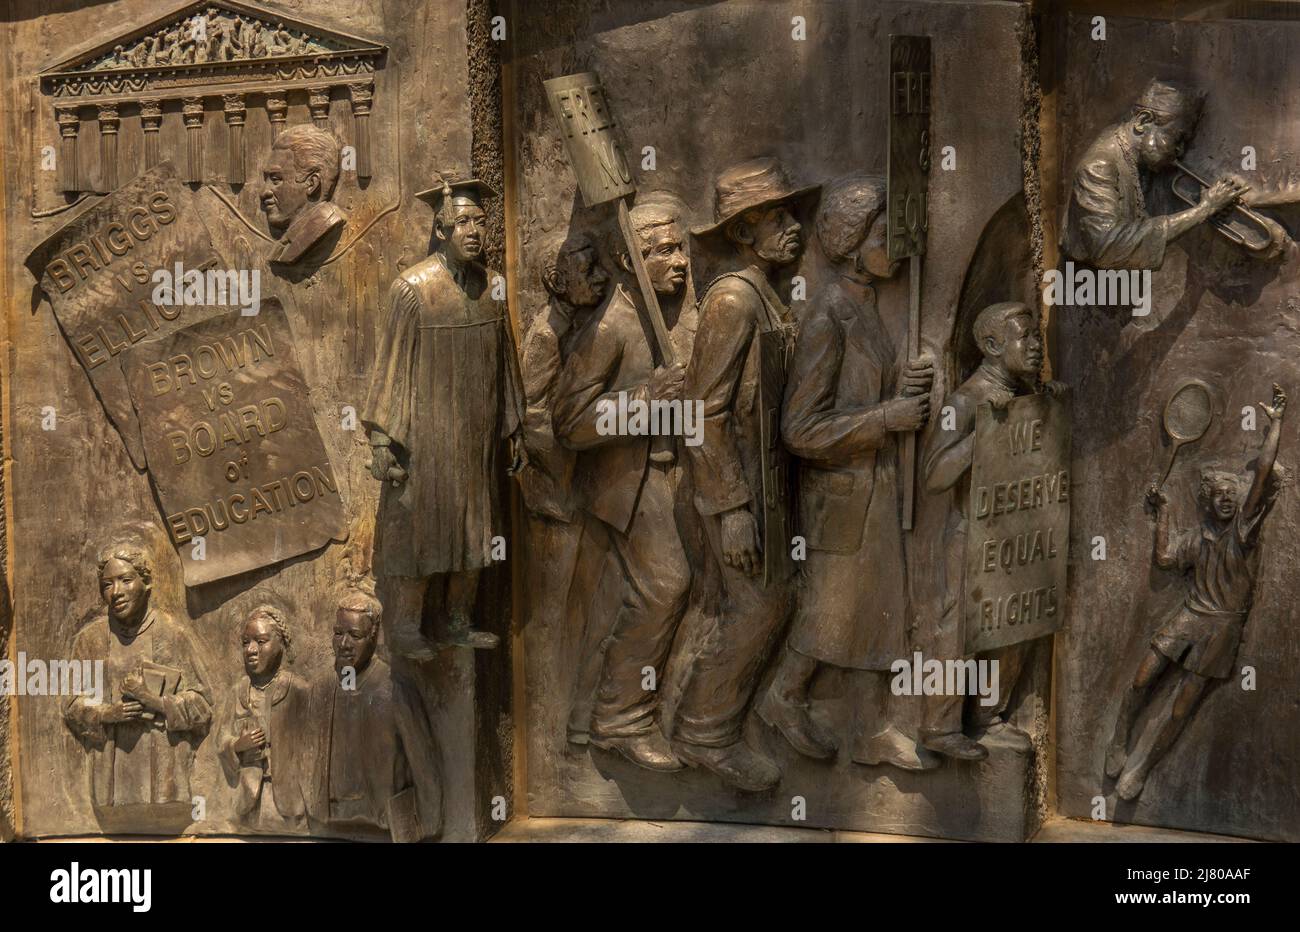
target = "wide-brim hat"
x: 750, y: 185
x: 475, y: 188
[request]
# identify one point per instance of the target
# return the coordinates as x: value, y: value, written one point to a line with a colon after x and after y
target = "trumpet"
x: 1237, y: 222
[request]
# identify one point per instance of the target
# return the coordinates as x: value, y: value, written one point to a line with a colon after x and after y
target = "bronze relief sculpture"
x: 627, y: 485
x: 738, y: 369
x: 846, y: 402
x: 379, y: 766
x: 1220, y: 558
x: 1011, y: 344
x: 654, y: 587
x: 156, y: 707
x: 445, y: 393
x: 298, y: 178
x: 267, y: 749
x: 576, y: 283
x: 1107, y: 222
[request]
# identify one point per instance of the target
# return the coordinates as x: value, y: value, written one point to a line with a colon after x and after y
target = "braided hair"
x: 277, y: 620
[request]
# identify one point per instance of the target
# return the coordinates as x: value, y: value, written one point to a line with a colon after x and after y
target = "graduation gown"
x: 446, y: 392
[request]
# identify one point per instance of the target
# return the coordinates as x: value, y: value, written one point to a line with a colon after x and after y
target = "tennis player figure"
x: 1221, y: 558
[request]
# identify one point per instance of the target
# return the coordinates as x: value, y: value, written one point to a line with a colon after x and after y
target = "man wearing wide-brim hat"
x: 745, y: 337
x: 445, y: 394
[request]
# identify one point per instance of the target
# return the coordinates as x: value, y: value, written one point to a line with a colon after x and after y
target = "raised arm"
x: 1164, y: 553
x: 1268, y: 452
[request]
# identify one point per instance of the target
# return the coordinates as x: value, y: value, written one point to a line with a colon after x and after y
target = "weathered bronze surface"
x: 1201, y: 739
x: 98, y: 274
x: 227, y: 53
x: 910, y: 81
x: 232, y: 445
x: 1219, y: 556
x: 785, y: 596
x: 141, y: 735
x: 266, y: 745
x: 444, y: 398
x: 104, y: 119
x: 591, y: 137
x: 299, y: 178
x: 801, y: 536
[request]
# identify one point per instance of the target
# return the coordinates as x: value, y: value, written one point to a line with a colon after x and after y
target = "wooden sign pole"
x: 907, y: 181
x: 908, y: 459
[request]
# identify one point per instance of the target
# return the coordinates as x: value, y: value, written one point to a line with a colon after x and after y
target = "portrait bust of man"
x: 298, y: 180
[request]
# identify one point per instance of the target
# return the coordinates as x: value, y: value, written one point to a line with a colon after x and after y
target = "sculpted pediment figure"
x: 207, y: 33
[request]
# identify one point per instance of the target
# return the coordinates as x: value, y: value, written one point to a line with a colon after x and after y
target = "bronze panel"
x: 234, y: 453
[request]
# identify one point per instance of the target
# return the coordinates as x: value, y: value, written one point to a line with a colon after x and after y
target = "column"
x: 193, y: 111
x: 69, y: 126
x: 151, y: 123
x: 108, y: 124
x: 235, y: 113
x: 277, y: 111
x: 362, y: 95
x: 319, y: 101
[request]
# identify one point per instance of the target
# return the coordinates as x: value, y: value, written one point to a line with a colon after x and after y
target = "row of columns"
x: 361, y: 96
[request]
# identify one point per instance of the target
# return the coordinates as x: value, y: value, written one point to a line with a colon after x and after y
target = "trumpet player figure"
x: 1221, y: 559
x: 1107, y: 224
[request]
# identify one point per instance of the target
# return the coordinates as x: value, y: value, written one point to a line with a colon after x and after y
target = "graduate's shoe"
x: 796, y: 726
x: 413, y: 646
x: 461, y: 634
x: 650, y: 750
x: 736, y: 765
x: 1131, y: 783
x: 1008, y: 735
x: 891, y: 746
x: 955, y: 745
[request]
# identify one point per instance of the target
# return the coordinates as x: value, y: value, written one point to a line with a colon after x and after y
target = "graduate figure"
x: 445, y: 394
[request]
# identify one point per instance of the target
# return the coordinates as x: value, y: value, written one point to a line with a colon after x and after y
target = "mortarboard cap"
x: 469, y: 191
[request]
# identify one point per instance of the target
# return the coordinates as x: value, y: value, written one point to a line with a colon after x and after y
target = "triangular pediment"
x: 209, y: 35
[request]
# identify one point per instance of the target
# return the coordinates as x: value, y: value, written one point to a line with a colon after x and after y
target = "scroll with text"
x: 1018, y: 532
x: 234, y: 452
x: 98, y: 272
